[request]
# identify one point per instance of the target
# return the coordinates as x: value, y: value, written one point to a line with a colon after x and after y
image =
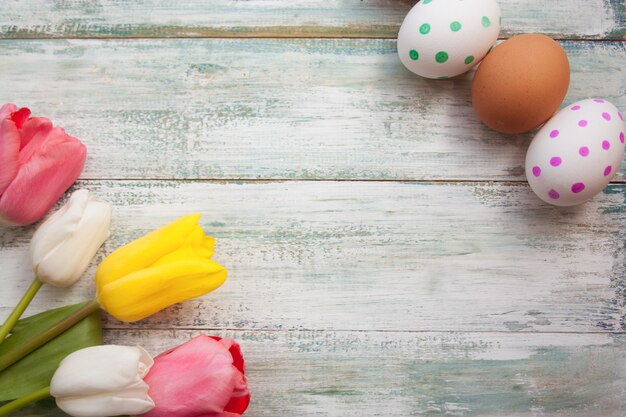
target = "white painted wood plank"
x: 385, y: 374
x: 292, y: 109
x: 373, y: 256
x: 595, y: 19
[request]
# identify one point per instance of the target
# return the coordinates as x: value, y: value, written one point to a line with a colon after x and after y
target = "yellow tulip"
x: 162, y: 268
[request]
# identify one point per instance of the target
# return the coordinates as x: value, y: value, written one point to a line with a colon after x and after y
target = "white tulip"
x: 64, y: 244
x: 102, y: 381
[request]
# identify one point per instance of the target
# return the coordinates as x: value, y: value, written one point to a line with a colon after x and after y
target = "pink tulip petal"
x: 20, y: 117
x: 241, y: 396
x: 197, y: 379
x: 35, y: 126
x: 48, y: 166
x: 41, y: 139
x: 235, y: 350
x: 6, y: 110
x: 238, y: 405
x: 9, y: 151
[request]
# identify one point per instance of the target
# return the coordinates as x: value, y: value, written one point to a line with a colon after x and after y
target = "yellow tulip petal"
x: 181, y: 254
x: 204, y: 245
x: 146, y: 250
x: 144, y: 292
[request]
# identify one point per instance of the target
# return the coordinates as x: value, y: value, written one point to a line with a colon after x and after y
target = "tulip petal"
x: 235, y: 351
x: 64, y: 245
x: 145, y: 251
x: 53, y: 232
x: 34, y: 128
x: 6, y: 110
x: 103, y: 381
x: 196, y: 379
x: 20, y: 117
x: 142, y: 293
x: 100, y: 369
x: 9, y: 151
x: 47, y: 169
x: 103, y: 405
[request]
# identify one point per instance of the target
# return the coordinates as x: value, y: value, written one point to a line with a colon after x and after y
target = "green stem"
x: 21, y: 402
x: 30, y: 345
x: 19, y: 309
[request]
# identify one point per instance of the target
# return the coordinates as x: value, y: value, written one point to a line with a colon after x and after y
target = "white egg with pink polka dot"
x: 576, y: 153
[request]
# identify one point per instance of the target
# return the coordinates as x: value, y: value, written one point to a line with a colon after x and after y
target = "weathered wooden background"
x: 386, y: 256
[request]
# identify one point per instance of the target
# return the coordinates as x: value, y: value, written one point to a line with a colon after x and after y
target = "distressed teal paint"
x: 595, y: 19
x: 274, y: 109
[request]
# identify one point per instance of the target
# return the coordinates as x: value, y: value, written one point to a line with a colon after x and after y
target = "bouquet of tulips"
x: 59, y: 352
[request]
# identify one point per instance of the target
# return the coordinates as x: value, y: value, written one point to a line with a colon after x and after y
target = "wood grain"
x: 274, y: 109
x: 373, y: 256
x: 428, y: 280
x: 365, y: 374
x: 565, y: 19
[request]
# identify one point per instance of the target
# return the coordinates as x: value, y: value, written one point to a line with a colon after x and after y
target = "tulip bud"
x: 103, y: 381
x: 65, y: 243
x: 162, y: 268
x: 203, y: 377
x: 38, y: 164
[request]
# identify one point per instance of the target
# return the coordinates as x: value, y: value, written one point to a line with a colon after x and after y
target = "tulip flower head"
x: 102, y: 381
x: 65, y: 243
x: 38, y: 162
x: 201, y: 378
x: 162, y: 268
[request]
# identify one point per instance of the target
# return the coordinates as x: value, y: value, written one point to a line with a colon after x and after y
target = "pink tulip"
x: 38, y: 163
x: 201, y: 378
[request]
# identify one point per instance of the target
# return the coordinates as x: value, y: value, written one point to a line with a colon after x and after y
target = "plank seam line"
x: 283, y: 180
x: 114, y: 38
x: 234, y: 329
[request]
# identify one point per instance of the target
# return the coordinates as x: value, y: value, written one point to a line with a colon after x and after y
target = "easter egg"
x: 576, y: 153
x: 521, y: 83
x: 445, y: 38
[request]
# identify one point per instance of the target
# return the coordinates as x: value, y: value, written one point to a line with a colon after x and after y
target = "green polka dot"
x: 469, y: 60
x: 441, y: 57
x: 486, y: 22
x: 443, y: 77
x: 414, y: 55
x: 426, y: 1
x: 425, y: 28
x: 455, y: 26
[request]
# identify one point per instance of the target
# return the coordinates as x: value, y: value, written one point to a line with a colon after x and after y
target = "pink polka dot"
x: 621, y: 117
x: 578, y: 187
x: 553, y: 194
x: 606, y: 145
x: 606, y: 117
x: 599, y: 101
x: 555, y: 161
x: 536, y: 171
x: 621, y: 137
x: 584, y: 151
x: 575, y: 108
x: 608, y: 170
x: 583, y: 123
x: 554, y: 133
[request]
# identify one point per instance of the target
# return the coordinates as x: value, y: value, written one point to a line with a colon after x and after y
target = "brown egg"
x: 521, y: 83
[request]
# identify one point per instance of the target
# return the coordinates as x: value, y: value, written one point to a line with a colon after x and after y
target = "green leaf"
x: 35, y: 370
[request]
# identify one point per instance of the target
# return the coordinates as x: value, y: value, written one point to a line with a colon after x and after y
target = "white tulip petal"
x: 133, y: 403
x: 101, y: 369
x: 54, y: 230
x: 68, y: 262
x: 64, y: 245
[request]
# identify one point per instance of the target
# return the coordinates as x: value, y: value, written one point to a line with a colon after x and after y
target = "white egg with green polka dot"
x: 445, y: 38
